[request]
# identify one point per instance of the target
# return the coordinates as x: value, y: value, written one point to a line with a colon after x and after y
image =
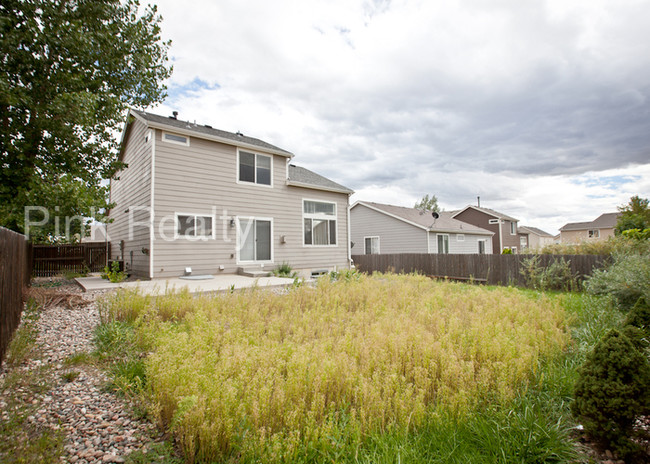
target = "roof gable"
x: 534, y: 230
x: 424, y: 219
x: 488, y: 211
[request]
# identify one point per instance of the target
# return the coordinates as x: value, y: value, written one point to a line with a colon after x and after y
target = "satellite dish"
x: 435, y: 215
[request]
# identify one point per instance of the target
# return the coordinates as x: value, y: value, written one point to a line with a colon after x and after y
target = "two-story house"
x: 600, y: 228
x: 213, y: 201
x: 503, y: 226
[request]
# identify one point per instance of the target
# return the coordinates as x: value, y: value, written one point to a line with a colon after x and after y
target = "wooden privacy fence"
x: 50, y: 260
x: 492, y: 269
x: 14, y: 277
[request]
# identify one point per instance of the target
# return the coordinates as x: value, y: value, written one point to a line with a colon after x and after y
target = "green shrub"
x: 506, y: 251
x: 113, y: 273
x: 556, y: 276
x: 639, y: 316
x: 285, y: 270
x: 626, y: 280
x: 612, y: 391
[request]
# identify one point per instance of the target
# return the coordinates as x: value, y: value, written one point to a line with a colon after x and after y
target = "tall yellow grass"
x: 262, y: 374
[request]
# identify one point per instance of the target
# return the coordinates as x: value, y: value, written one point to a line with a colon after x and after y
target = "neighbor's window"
x: 460, y: 237
x: 194, y: 225
x: 372, y: 245
x: 254, y: 168
x: 443, y: 243
x: 319, y: 222
x: 493, y: 221
x: 175, y: 138
x: 481, y: 247
x: 594, y: 233
x: 513, y: 228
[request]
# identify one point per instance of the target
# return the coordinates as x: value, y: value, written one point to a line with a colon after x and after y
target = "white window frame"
x: 484, y: 241
x: 194, y: 238
x: 513, y: 228
x: 176, y: 142
x: 438, y: 246
x: 371, y: 237
x: 238, y: 220
x: 593, y: 233
x: 460, y: 237
x: 245, y: 182
x: 321, y: 216
x: 523, y: 242
x: 494, y: 221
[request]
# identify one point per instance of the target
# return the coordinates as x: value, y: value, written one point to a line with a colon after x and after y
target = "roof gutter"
x: 294, y: 183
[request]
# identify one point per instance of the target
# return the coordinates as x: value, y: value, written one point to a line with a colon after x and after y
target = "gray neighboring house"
x: 385, y: 229
x: 532, y: 238
x: 219, y: 202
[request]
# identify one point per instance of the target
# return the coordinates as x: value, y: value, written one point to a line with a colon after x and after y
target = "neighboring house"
x: 599, y: 229
x: 503, y: 227
x: 533, y: 238
x: 219, y: 202
x: 384, y: 229
x: 96, y: 233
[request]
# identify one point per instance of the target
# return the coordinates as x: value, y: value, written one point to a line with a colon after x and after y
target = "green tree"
x: 68, y: 71
x: 634, y: 215
x: 428, y: 203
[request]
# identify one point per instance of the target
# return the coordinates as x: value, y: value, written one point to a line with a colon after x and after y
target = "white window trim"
x: 448, y: 244
x: 195, y: 238
x: 494, y: 221
x: 513, y: 228
x: 320, y: 216
x: 595, y: 233
x: 378, y: 244
x: 243, y: 182
x: 176, y: 142
x: 460, y: 237
x: 485, y: 250
x: 238, y: 220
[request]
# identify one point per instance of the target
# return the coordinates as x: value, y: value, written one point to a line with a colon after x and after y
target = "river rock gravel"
x: 99, y: 426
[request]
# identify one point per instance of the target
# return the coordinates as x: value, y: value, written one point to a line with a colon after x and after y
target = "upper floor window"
x: 319, y: 222
x: 175, y: 138
x: 513, y: 228
x: 493, y: 221
x: 254, y: 168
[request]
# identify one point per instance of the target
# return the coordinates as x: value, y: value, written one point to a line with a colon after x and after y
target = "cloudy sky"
x: 541, y: 108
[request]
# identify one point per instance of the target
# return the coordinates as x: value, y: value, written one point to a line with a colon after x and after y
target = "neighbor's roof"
x: 423, y: 219
x: 207, y: 132
x: 488, y: 211
x: 604, y: 221
x: 535, y: 231
x: 301, y: 177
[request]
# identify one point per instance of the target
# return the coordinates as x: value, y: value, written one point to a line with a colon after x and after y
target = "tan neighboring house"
x: 194, y: 197
x: 599, y: 229
x: 378, y: 228
x: 503, y: 227
x: 534, y: 239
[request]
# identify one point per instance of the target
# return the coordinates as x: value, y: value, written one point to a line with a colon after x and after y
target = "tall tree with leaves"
x: 634, y: 215
x: 428, y: 203
x: 68, y: 71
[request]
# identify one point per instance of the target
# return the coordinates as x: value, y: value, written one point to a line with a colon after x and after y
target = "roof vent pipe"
x: 175, y: 113
x: 478, y: 201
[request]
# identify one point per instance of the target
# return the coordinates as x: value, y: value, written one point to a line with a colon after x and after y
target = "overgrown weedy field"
x: 319, y: 373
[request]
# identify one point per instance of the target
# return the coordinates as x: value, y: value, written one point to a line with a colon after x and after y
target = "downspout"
x: 151, y: 206
x: 349, y: 236
x: 500, y: 236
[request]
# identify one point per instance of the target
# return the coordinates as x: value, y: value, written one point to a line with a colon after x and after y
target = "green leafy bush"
x: 556, y: 276
x: 612, y: 391
x: 626, y: 280
x: 114, y: 274
x: 285, y: 270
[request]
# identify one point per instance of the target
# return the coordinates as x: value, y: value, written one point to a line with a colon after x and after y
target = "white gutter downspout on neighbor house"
x: 501, y: 222
x: 349, y: 236
x: 151, y: 211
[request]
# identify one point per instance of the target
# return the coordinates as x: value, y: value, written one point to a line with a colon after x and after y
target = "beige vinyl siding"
x: 467, y: 246
x: 579, y: 236
x: 395, y: 236
x: 131, y: 193
x: 202, y: 179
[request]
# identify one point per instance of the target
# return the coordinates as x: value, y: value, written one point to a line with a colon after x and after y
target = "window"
x: 594, y: 233
x: 513, y: 228
x: 319, y: 223
x: 481, y: 247
x: 192, y: 225
x: 493, y: 221
x: 254, y: 168
x: 523, y: 243
x: 460, y: 237
x: 174, y: 138
x: 254, y: 239
x: 443, y: 243
x: 372, y: 245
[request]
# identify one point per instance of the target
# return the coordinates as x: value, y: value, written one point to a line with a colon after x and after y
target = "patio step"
x: 252, y: 272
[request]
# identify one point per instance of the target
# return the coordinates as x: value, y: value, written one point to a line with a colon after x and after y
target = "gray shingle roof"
x: 604, y: 221
x: 300, y: 176
x: 489, y: 211
x: 444, y: 223
x: 534, y: 230
x: 208, y: 131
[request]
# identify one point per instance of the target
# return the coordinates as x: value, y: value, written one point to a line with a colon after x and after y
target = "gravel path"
x: 98, y: 425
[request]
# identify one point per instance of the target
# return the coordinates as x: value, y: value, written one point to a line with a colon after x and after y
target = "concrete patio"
x: 160, y: 286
